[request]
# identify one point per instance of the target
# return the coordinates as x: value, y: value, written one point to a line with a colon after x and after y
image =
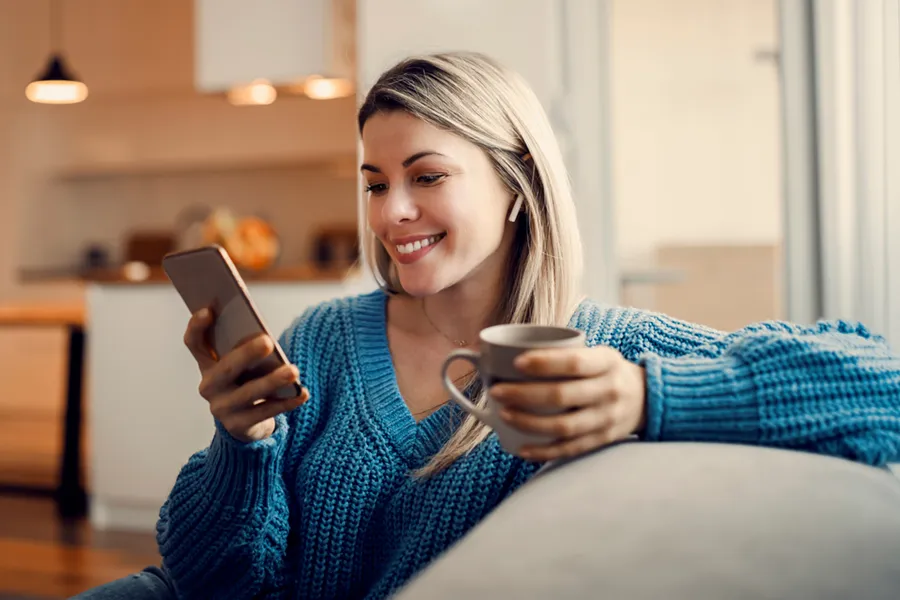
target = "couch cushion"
x: 684, y: 521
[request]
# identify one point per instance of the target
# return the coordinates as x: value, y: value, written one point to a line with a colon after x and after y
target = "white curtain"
x: 892, y: 160
x: 841, y: 78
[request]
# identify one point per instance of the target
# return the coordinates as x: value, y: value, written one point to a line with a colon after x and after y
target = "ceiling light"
x: 56, y: 84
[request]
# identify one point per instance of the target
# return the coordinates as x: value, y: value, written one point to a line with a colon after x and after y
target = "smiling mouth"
x: 419, y: 244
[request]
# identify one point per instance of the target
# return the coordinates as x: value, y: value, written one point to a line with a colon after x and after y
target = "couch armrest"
x: 683, y: 521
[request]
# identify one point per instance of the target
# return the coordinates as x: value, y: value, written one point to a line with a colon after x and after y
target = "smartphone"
x: 207, y: 278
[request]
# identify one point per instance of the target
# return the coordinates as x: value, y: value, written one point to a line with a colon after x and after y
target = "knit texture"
x: 327, y: 506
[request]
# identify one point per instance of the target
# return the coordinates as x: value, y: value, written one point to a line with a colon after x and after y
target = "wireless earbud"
x: 517, y: 206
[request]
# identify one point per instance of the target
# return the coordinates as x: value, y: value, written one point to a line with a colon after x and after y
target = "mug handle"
x: 457, y: 396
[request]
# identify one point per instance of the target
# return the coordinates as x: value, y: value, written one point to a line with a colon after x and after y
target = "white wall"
x: 520, y: 33
x: 696, y: 124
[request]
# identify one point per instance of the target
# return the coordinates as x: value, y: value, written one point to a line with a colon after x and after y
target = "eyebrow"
x: 410, y: 160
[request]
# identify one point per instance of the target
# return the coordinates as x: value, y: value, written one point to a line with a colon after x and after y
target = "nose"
x: 399, y: 207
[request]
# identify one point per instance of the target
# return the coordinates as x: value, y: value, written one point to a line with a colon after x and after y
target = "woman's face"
x: 435, y: 203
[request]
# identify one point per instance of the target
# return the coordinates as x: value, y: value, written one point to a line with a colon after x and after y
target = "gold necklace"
x: 460, y: 343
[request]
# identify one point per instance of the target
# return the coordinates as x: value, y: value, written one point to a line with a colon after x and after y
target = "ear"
x: 517, y: 206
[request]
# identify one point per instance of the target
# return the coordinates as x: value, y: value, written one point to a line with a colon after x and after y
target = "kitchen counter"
x: 141, y: 274
x: 36, y: 315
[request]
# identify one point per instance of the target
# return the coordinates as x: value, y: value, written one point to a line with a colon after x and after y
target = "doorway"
x: 696, y: 161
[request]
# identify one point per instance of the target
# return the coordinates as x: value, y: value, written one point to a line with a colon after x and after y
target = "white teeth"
x: 418, y: 244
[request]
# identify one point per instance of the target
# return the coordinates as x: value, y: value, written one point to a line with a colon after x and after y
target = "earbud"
x: 517, y: 206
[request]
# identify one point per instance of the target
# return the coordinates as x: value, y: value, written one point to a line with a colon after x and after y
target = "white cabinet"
x: 146, y: 417
x: 282, y: 41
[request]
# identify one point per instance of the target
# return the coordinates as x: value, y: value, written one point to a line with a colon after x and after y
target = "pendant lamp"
x: 56, y: 84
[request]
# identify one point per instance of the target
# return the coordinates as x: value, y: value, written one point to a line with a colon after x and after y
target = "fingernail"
x: 498, y: 392
x: 505, y: 414
x: 522, y: 361
x: 203, y: 313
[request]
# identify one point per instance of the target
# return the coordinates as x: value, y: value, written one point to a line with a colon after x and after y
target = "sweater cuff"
x: 700, y: 399
x: 240, y: 473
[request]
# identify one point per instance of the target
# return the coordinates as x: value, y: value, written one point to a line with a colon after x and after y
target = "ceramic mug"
x: 500, y: 345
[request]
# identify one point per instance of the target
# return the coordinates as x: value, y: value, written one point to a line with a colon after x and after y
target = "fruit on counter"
x: 255, y: 243
x: 251, y: 241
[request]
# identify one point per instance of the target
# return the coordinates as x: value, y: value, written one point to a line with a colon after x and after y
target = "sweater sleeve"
x: 833, y: 388
x: 223, y: 531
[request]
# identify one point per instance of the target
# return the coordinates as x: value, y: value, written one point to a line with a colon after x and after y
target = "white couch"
x: 673, y: 521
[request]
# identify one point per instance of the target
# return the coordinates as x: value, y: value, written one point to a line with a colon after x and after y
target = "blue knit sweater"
x: 327, y: 508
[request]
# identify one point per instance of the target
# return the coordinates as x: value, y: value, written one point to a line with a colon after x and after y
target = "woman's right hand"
x: 246, y: 411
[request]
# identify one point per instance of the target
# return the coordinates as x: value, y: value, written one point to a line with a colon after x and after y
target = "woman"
x: 349, y: 490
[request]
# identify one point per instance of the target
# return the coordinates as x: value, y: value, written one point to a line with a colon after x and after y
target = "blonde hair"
x: 492, y: 107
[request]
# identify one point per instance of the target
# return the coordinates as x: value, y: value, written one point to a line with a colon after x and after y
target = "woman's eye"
x: 376, y: 188
x: 430, y: 179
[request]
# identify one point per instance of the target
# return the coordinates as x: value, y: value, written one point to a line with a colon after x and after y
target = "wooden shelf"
x: 342, y: 166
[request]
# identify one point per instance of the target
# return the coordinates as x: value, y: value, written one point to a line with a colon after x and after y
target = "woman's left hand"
x: 603, y: 397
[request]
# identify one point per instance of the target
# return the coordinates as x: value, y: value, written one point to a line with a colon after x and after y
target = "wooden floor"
x: 41, y: 557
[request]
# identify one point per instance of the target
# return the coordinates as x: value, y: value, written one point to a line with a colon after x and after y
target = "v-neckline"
x: 415, y: 440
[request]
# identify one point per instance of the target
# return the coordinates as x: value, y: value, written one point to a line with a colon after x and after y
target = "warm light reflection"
x: 136, y: 271
x: 325, y: 88
x: 258, y: 93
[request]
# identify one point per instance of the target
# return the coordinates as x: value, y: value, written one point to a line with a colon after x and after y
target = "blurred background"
x: 733, y: 161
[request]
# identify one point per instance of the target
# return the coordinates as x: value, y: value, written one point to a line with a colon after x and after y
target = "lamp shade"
x: 56, y: 85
